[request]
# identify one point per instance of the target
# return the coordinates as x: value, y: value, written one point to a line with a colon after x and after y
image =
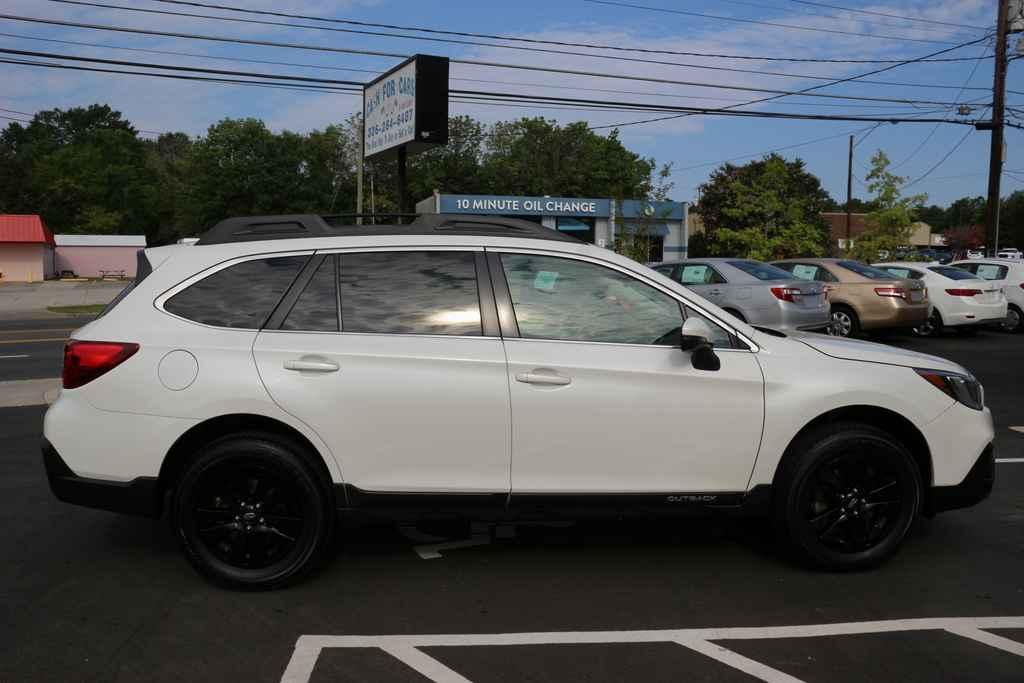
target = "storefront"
x: 593, y: 220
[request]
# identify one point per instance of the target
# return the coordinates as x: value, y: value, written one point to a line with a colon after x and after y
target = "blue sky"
x: 689, y: 143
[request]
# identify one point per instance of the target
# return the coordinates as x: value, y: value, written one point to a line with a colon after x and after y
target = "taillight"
x: 84, y: 361
x: 786, y: 293
x: 963, y: 292
x: 897, y: 292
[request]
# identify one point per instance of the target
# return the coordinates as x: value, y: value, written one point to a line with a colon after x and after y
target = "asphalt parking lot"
x: 91, y: 596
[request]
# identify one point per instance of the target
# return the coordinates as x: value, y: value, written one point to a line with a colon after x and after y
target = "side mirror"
x: 695, y: 337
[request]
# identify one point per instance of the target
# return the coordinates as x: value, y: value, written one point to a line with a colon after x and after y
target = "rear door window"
x: 699, y: 274
x: 410, y: 292
x: 316, y: 309
x: 805, y: 271
x: 240, y: 296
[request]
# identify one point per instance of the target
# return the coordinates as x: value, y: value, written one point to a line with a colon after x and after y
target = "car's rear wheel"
x: 1014, y: 321
x: 251, y: 513
x: 848, y: 496
x: 845, y: 322
x: 932, y: 327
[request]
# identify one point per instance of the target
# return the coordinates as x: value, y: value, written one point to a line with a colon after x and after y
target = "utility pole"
x: 359, y: 173
x: 995, y: 158
x: 849, y: 190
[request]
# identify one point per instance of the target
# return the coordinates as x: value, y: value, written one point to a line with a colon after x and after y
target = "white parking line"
x: 1017, y: 428
x: 407, y: 648
x: 1009, y: 460
x: 20, y: 355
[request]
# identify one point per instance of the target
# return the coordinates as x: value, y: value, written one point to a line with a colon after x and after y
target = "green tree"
x: 1011, y: 221
x: 636, y: 242
x: 765, y: 209
x: 890, y: 224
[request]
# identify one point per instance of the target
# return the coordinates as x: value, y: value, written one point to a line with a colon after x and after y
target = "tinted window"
x: 762, y: 271
x: 317, y: 307
x: 903, y: 273
x: 699, y: 274
x: 242, y: 295
x: 869, y: 272
x: 557, y: 298
x: 953, y: 273
x: 666, y: 269
x: 409, y: 292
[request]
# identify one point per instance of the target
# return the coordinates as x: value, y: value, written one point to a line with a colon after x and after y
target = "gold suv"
x: 863, y: 297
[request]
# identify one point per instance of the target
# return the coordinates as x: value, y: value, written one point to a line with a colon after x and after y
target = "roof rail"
x: 256, y: 228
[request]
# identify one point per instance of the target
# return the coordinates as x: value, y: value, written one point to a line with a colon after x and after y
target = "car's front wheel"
x: 847, y: 496
x: 251, y: 513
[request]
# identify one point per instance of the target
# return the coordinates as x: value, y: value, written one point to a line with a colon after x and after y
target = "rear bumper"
x: 140, y: 496
x: 895, y: 314
x: 975, y: 487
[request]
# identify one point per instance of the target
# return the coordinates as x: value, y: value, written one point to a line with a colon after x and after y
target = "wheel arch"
x: 887, y: 420
x: 188, y: 444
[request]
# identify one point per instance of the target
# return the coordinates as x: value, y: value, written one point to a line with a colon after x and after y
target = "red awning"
x: 24, y: 229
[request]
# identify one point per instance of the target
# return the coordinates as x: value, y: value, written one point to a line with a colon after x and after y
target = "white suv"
x: 283, y: 369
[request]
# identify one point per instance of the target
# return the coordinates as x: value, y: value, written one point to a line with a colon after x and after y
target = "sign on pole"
x: 406, y: 108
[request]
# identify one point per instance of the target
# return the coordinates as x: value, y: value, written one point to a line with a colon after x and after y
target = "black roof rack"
x: 255, y: 228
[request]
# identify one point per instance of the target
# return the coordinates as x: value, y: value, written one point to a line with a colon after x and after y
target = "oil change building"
x: 593, y: 220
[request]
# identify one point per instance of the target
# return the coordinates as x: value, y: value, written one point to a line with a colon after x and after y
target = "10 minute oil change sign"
x: 407, y: 107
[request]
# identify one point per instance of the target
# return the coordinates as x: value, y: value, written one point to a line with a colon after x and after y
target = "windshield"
x: 866, y: 271
x: 762, y: 271
x: 953, y: 273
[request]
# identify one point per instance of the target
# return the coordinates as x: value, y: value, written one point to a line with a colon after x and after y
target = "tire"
x: 845, y: 322
x: 847, y: 495
x: 1014, y: 319
x: 252, y: 514
x: 932, y: 327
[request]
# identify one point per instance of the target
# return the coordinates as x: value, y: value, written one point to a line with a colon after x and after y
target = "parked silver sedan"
x: 754, y: 292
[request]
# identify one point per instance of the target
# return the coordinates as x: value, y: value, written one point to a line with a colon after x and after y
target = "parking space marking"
x: 33, y: 341
x: 406, y: 648
x: 20, y: 355
x: 1009, y: 460
x: 1017, y: 429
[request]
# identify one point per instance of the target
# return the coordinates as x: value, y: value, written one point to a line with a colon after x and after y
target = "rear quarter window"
x: 239, y: 296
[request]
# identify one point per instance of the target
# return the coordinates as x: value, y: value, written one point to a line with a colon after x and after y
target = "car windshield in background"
x: 866, y: 271
x: 953, y: 273
x: 762, y: 271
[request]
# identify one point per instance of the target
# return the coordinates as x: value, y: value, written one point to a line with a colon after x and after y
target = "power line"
x: 942, y: 160
x: 892, y: 16
x: 774, y: 24
x: 377, y: 71
x: 524, y: 67
x: 931, y: 133
x: 770, y: 151
x: 615, y: 58
x: 538, y: 41
x: 506, y: 97
x: 807, y: 91
x: 826, y: 15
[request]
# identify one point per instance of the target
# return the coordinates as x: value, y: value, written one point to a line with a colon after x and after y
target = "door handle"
x: 311, y: 365
x: 542, y: 378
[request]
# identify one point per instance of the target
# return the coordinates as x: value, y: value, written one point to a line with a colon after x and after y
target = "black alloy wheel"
x: 252, y: 514
x: 852, y: 498
x: 932, y: 327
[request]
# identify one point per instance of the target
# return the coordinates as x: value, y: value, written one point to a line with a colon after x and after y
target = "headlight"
x: 962, y: 388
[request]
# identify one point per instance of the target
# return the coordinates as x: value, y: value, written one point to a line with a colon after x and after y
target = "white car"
x: 1009, y: 273
x: 282, y: 369
x: 975, y: 253
x: 1009, y: 253
x: 959, y: 299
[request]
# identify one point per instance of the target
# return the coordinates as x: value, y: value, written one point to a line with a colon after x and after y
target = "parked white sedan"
x: 959, y: 298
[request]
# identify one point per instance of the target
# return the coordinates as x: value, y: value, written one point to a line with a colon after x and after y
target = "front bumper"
x: 140, y: 496
x: 975, y: 487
